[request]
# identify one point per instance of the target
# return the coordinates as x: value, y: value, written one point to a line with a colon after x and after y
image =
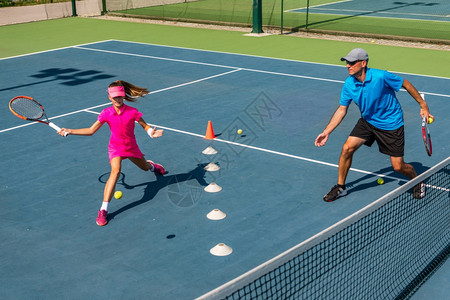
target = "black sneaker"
x: 335, y: 193
x: 419, y: 191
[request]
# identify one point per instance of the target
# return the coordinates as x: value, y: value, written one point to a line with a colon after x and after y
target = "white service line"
x: 195, y: 81
x: 304, y: 158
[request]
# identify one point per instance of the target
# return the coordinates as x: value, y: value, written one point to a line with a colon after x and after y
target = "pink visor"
x: 116, y: 91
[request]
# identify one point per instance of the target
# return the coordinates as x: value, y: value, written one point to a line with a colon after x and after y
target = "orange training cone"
x: 209, y: 132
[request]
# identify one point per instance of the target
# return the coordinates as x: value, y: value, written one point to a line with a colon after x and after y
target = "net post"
x: 74, y: 9
x: 282, y: 14
x: 257, y: 16
x: 307, y: 14
x: 103, y: 7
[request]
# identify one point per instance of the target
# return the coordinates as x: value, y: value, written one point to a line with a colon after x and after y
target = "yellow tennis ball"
x: 430, y: 120
x: 373, y: 41
x: 118, y: 195
x: 239, y: 131
x: 380, y: 180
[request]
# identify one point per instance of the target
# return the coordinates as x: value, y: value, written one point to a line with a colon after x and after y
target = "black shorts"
x: 390, y: 142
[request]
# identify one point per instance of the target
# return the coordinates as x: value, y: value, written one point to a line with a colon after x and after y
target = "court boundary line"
x: 51, y: 50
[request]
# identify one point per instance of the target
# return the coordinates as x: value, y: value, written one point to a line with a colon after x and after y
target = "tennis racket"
x: 29, y: 109
x: 426, y: 133
x: 426, y: 136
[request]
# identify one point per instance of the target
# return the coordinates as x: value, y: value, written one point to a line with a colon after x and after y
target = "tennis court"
x: 157, y: 243
x: 438, y: 10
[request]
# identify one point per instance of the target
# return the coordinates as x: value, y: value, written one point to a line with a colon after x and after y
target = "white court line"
x: 52, y: 50
x: 305, y: 159
x: 195, y: 81
x: 319, y: 5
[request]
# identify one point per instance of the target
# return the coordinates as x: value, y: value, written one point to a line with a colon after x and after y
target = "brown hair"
x: 132, y: 92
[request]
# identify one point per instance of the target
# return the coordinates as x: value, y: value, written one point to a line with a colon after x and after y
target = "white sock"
x: 104, y: 206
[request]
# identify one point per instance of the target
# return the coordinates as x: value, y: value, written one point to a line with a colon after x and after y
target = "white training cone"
x: 212, y: 167
x: 216, y: 214
x: 209, y: 151
x: 213, y: 188
x: 221, y: 250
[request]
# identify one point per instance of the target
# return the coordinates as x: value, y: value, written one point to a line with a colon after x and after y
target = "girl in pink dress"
x: 121, y: 119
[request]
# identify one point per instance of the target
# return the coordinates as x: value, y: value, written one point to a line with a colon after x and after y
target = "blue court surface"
x: 158, y: 240
x: 436, y: 10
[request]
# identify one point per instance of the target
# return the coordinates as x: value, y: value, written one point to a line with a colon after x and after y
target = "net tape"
x: 384, y: 251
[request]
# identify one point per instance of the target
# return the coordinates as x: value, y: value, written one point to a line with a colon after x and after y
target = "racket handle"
x: 57, y: 128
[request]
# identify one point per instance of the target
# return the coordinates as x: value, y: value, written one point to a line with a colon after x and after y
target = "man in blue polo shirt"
x: 373, y: 91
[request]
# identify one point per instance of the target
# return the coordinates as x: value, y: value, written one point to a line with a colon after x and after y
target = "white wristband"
x: 150, y: 131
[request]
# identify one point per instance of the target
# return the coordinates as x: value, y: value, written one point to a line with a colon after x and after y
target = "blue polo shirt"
x: 375, y: 98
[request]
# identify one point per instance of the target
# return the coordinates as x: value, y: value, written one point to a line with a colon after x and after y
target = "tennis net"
x: 384, y: 251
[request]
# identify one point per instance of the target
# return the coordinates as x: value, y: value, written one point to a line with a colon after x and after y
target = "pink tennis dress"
x: 123, y: 141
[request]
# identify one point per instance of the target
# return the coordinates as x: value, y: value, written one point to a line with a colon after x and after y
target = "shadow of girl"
x: 153, y: 187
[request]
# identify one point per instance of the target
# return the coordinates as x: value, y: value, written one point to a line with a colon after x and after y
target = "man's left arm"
x: 424, y: 110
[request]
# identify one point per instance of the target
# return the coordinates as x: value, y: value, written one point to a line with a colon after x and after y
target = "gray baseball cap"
x: 356, y: 54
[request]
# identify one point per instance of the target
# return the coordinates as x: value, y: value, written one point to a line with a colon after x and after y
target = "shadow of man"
x: 355, y: 186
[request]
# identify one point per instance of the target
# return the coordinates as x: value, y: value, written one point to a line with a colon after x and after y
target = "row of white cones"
x: 212, y: 167
x: 216, y: 214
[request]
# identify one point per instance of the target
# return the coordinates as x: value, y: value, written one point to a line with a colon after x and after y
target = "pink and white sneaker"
x: 157, y: 168
x: 102, y: 218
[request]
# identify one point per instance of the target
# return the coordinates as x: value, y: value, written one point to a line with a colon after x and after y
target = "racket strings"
x: 27, y: 108
x: 427, y: 138
x: 428, y: 142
